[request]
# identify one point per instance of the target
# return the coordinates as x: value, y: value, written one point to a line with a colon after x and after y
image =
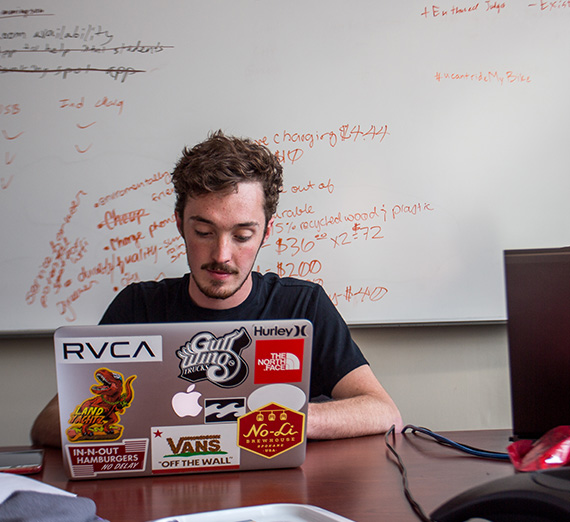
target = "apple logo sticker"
x: 185, y: 404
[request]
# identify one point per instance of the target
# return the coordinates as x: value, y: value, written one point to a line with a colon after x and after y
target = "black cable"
x: 477, y: 452
x: 414, y: 505
x: 441, y: 440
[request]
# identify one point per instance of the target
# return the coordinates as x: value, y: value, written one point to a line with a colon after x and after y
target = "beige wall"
x: 27, y: 382
x: 441, y: 377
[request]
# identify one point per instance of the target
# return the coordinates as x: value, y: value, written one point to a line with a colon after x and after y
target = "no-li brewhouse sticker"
x: 271, y: 430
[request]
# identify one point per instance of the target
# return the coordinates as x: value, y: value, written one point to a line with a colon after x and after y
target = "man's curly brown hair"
x: 219, y: 163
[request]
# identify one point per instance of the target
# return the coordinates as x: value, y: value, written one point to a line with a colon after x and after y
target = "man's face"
x: 223, y: 233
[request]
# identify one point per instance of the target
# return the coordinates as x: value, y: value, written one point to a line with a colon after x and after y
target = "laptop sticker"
x: 97, y: 460
x: 216, y: 359
x: 186, y: 404
x: 97, y: 418
x: 271, y: 430
x: 224, y: 410
x: 279, y: 360
x: 109, y: 349
x: 180, y: 449
x: 285, y: 394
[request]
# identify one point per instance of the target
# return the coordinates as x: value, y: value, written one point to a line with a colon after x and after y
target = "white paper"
x: 12, y: 482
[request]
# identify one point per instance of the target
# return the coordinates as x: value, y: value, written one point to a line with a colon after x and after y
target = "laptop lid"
x: 538, y: 312
x: 152, y: 399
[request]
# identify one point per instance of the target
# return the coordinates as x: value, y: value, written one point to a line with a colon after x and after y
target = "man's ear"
x: 179, y: 224
x: 268, y: 229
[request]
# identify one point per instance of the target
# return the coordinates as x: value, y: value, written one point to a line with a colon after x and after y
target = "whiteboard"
x: 418, y: 143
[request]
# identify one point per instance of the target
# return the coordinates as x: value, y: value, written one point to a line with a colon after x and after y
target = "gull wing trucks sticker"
x: 216, y: 359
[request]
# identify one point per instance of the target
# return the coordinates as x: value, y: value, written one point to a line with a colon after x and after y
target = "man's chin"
x: 218, y: 293
x: 217, y: 290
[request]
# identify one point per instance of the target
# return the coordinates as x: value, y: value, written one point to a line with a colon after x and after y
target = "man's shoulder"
x: 288, y: 296
x: 162, y: 285
x: 274, y: 281
x: 148, y: 302
x: 165, y: 289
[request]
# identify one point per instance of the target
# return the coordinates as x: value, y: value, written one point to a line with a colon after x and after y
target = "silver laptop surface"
x: 152, y: 399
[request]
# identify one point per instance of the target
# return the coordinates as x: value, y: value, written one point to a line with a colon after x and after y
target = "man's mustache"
x: 220, y: 267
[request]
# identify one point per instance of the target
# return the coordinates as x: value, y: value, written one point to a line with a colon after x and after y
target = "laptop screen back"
x: 155, y: 399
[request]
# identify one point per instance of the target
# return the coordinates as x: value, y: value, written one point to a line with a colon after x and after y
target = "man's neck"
x: 203, y: 301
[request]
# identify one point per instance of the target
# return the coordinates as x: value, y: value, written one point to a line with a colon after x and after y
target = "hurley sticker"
x: 180, y: 449
x: 271, y: 430
x: 97, y: 418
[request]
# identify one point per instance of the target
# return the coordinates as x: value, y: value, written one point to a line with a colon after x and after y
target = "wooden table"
x: 355, y: 478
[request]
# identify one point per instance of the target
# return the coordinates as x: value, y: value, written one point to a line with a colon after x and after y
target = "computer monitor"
x: 538, y: 319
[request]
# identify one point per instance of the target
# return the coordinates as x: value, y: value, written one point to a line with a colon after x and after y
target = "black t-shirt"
x: 334, y: 352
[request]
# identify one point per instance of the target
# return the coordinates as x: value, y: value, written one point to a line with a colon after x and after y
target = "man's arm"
x: 45, y: 431
x: 360, y: 406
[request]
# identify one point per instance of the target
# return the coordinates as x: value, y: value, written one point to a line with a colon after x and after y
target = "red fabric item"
x: 552, y: 450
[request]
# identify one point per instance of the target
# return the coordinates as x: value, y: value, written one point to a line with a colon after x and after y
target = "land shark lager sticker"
x: 97, y: 418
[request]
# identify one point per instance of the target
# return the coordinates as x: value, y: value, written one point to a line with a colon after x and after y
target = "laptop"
x: 155, y: 399
x: 538, y: 313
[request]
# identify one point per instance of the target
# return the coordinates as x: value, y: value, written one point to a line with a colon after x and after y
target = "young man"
x: 227, y: 192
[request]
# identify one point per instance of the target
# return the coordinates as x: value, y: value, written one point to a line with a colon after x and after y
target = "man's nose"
x: 222, y: 250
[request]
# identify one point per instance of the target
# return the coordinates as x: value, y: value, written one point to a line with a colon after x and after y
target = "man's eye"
x: 242, y: 238
x: 201, y: 233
